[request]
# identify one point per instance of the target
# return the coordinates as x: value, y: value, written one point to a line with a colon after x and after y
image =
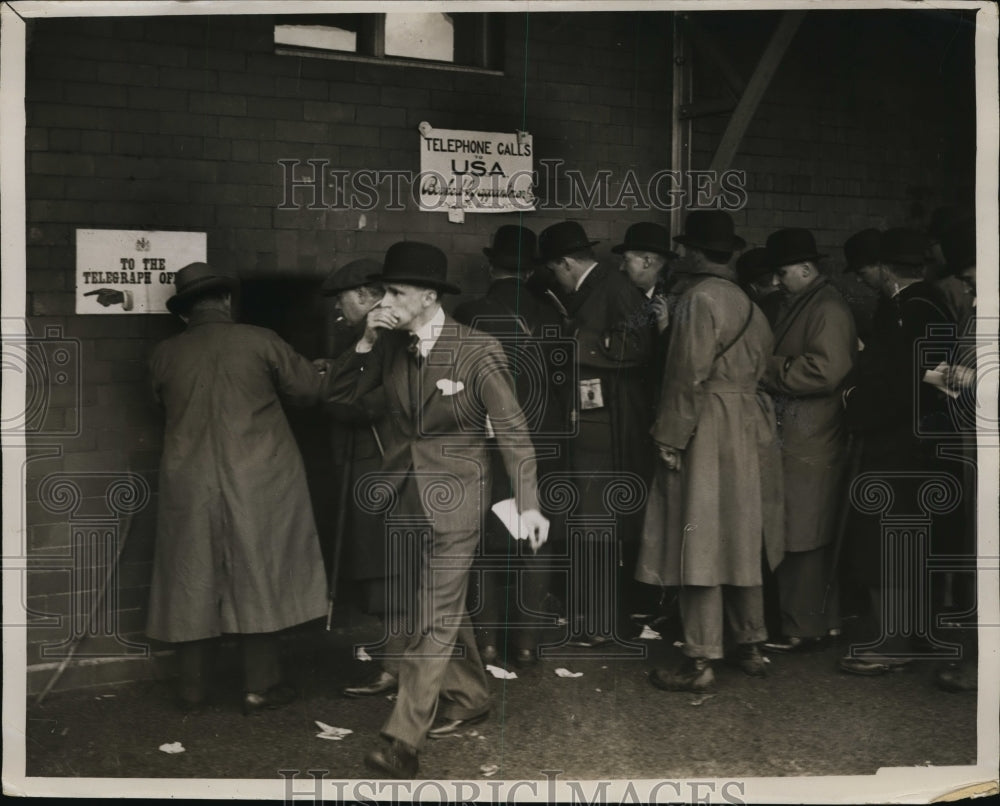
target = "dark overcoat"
x: 710, y: 522
x: 608, y: 319
x: 889, y: 407
x: 815, y: 342
x: 236, y: 547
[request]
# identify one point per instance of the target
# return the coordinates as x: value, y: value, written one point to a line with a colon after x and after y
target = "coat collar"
x: 209, y: 316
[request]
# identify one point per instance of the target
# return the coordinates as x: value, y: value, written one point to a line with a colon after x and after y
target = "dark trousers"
x: 196, y: 659
x: 508, y: 587
x: 809, y: 600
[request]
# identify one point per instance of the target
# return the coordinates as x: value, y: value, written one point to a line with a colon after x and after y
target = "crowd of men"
x: 566, y: 458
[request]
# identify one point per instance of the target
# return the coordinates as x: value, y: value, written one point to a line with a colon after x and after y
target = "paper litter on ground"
x: 489, y: 769
x: 330, y: 732
x: 561, y: 672
x: 649, y: 634
x: 172, y: 747
x: 500, y: 673
x: 362, y: 654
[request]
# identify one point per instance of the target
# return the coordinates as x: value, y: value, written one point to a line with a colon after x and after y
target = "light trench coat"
x: 710, y: 522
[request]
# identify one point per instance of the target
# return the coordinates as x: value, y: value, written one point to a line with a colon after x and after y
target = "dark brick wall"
x: 179, y: 123
x: 869, y: 122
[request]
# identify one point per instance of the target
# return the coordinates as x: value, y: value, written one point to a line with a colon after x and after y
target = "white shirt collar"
x: 650, y: 291
x: 584, y: 276
x: 428, y: 333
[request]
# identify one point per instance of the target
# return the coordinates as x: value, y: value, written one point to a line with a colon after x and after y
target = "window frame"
x: 484, y: 27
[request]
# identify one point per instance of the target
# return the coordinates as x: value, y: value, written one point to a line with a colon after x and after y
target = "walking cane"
x: 855, y: 448
x: 339, y: 527
x: 98, y: 602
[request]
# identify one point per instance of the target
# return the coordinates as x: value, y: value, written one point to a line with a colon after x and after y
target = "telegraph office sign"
x: 131, y: 271
x: 475, y: 172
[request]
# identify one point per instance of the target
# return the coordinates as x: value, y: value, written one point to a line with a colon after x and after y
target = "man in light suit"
x: 442, y: 381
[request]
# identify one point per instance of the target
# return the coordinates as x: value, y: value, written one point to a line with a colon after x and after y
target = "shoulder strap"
x: 739, y: 335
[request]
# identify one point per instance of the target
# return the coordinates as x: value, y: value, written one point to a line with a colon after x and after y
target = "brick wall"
x: 869, y: 122
x: 179, y: 123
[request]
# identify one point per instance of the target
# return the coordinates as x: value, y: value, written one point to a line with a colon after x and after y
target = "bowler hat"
x: 197, y: 279
x: 906, y: 246
x: 792, y: 245
x: 562, y: 239
x: 711, y: 230
x: 351, y: 275
x: 752, y: 265
x: 513, y: 248
x: 416, y: 263
x: 863, y: 249
x: 958, y: 245
x: 646, y: 236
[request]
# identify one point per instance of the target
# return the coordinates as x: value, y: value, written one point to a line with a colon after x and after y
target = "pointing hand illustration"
x: 112, y: 296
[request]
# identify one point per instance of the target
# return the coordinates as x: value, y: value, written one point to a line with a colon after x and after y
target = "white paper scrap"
x: 561, y: 672
x: 172, y: 747
x: 330, y: 732
x: 649, y: 634
x: 500, y: 673
x: 489, y: 769
x: 362, y: 654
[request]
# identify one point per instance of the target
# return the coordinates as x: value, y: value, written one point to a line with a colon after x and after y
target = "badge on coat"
x: 591, y: 396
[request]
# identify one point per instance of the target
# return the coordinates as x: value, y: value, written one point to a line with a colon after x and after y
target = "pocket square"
x: 450, y: 387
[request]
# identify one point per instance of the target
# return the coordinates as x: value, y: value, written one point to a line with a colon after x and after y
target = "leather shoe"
x: 751, y: 660
x: 795, y: 644
x: 488, y: 654
x: 448, y: 727
x: 957, y: 677
x: 278, y: 696
x: 525, y: 659
x: 871, y: 666
x: 694, y: 674
x: 395, y: 760
x: 385, y: 682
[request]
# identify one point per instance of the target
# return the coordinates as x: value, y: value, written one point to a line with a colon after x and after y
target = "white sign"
x: 131, y: 271
x: 475, y: 172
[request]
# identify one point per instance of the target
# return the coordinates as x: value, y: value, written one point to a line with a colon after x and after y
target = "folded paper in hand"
x: 506, y: 511
x: 935, y: 377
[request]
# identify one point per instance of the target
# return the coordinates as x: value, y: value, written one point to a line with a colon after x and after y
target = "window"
x: 450, y: 41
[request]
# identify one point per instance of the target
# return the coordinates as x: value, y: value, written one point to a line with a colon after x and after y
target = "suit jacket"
x: 439, y: 429
x: 528, y: 327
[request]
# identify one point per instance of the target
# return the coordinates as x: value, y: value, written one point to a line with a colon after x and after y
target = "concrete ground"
x: 806, y: 718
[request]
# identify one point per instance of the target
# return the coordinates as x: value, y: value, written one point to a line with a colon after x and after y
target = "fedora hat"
x: 712, y: 230
x: 752, y: 265
x: 513, y: 248
x: 906, y: 246
x: 416, y: 263
x: 562, y: 239
x: 195, y: 280
x: 351, y: 275
x: 792, y: 245
x: 646, y: 236
x: 863, y: 249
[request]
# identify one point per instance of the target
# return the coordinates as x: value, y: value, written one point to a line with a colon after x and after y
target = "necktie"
x: 413, y: 372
